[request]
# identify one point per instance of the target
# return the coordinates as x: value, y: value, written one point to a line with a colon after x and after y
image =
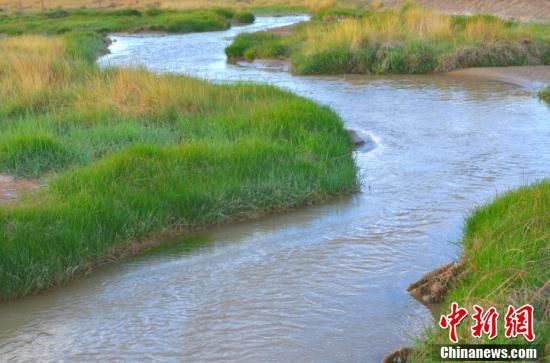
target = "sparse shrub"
x: 105, y: 30
x: 244, y: 17
x: 226, y: 13
x: 63, y: 30
x: 57, y: 14
x: 331, y: 13
x: 125, y: 12
x: 152, y: 12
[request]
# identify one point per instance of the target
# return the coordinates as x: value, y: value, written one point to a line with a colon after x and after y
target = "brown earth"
x: 433, y: 286
x: 531, y: 77
x: 11, y: 189
x: 524, y: 10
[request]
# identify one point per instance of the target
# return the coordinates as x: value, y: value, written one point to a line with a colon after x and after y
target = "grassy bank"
x: 60, y: 21
x: 125, y: 153
x: 506, y: 255
x: 409, y: 40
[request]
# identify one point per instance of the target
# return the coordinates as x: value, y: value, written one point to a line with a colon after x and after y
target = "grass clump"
x: 409, y: 40
x: 244, y: 17
x: 125, y: 153
x: 506, y: 254
x: 257, y: 45
x: 121, y: 20
x: 31, y: 154
x: 544, y: 94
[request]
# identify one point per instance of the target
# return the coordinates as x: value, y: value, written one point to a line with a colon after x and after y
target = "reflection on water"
x: 324, y: 283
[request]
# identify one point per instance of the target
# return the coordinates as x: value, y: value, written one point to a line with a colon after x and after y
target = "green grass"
x: 125, y: 153
x: 411, y: 40
x: 122, y: 20
x: 544, y: 94
x: 257, y: 45
x: 506, y: 254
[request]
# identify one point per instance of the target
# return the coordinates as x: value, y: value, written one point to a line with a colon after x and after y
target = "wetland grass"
x: 59, y: 21
x: 409, y: 40
x: 506, y: 255
x: 125, y: 153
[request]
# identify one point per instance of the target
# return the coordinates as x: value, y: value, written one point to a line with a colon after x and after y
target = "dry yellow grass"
x: 35, y: 70
x: 428, y: 23
x: 137, y: 92
x: 384, y: 27
x: 32, y: 68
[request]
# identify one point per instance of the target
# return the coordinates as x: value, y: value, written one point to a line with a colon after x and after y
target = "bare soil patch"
x: 524, y: 10
x: 531, y: 77
x: 11, y: 188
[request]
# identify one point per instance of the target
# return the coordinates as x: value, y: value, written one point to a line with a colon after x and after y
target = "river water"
x: 321, y: 284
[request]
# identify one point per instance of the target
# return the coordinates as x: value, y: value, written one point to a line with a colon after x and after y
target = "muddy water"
x: 322, y: 284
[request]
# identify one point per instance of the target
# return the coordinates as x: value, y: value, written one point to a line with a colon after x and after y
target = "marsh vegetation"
x: 409, y: 40
x: 506, y: 262
x: 61, y: 21
x: 125, y: 153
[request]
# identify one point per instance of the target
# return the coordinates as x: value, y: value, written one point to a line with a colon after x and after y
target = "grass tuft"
x: 31, y: 154
x: 544, y: 94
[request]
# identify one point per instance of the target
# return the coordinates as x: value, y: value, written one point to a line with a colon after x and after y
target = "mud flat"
x: 531, y: 77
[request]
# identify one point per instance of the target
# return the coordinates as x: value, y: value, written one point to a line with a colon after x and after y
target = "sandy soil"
x: 11, y: 188
x: 532, y: 77
x: 524, y: 10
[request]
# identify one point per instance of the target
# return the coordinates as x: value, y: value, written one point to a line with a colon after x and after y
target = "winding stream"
x: 321, y: 284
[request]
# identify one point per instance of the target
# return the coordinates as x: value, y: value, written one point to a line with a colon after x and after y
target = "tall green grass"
x: 122, y: 20
x: 410, y: 40
x: 506, y: 255
x: 125, y: 153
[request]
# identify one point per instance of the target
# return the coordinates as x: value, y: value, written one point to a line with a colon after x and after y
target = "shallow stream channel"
x: 320, y: 284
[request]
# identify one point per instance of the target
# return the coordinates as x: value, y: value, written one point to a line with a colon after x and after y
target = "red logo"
x: 485, y: 323
x: 452, y: 320
x: 517, y: 322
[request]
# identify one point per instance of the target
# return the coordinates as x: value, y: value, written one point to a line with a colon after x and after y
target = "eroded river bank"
x: 324, y: 283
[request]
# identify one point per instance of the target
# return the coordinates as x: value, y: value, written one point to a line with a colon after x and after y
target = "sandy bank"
x: 531, y: 77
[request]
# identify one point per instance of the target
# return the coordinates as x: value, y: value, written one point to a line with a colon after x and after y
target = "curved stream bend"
x: 325, y: 283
